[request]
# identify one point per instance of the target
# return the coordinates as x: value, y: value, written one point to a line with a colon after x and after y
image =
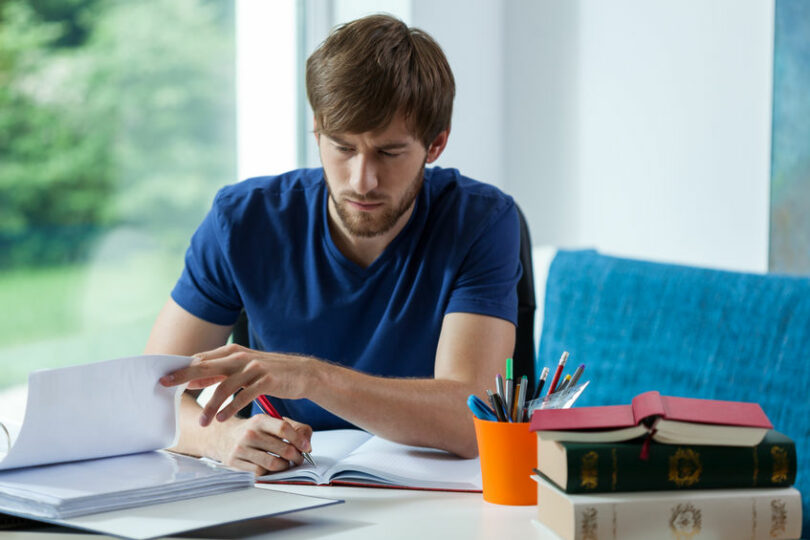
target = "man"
x: 380, y: 293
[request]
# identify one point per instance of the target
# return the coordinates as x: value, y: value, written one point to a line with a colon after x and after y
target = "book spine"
x: 600, y: 468
x: 775, y: 514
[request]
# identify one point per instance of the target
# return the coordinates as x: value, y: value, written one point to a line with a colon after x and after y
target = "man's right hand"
x: 260, y: 444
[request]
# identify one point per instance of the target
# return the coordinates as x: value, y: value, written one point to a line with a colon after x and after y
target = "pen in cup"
x: 509, y: 398
x: 577, y: 374
x: 520, y: 406
x: 563, y: 384
x: 495, y: 401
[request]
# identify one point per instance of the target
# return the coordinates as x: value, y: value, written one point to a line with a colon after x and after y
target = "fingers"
x: 258, y: 386
x: 227, y: 388
x: 258, y: 442
x: 305, y: 432
x: 298, y: 434
x: 259, y: 447
x: 204, y: 369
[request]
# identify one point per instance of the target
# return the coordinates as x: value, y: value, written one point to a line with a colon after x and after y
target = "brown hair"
x: 372, y: 68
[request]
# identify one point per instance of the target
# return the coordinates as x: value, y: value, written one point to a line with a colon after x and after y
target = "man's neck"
x: 362, y: 251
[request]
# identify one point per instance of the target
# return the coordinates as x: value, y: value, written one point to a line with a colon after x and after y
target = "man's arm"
x: 423, y: 412
x: 237, y: 442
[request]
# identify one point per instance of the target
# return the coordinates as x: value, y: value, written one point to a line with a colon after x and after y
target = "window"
x: 118, y: 123
x: 117, y: 126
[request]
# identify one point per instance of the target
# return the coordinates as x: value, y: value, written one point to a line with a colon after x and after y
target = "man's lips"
x: 365, y: 206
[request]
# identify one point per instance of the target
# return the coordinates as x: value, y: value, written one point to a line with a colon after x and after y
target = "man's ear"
x: 437, y: 146
x: 315, y: 131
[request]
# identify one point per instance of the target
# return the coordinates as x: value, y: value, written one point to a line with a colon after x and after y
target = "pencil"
x: 557, y: 373
x: 540, y: 383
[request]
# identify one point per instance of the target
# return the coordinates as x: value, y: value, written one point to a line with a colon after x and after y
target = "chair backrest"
x: 523, y: 356
x: 685, y: 331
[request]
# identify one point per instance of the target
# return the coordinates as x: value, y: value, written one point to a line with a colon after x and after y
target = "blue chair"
x: 684, y: 331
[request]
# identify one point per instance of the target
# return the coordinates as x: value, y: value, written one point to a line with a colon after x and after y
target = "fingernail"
x: 307, y: 447
x: 203, y: 420
x: 221, y: 416
x: 166, y: 379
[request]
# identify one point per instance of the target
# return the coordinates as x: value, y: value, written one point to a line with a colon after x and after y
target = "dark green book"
x: 578, y: 467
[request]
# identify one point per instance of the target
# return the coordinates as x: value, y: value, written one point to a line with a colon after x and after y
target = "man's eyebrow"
x: 338, y: 140
x: 398, y: 145
x: 393, y: 145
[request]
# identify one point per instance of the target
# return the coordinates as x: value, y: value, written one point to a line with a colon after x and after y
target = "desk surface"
x: 368, y: 513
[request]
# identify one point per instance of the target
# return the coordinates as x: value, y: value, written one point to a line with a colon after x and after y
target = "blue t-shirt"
x: 265, y: 247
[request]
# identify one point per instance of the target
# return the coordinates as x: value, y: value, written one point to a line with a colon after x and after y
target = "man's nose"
x: 364, y: 175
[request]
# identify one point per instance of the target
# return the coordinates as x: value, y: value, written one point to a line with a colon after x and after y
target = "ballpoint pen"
x: 514, y: 411
x: 563, y: 384
x: 557, y: 373
x: 499, y: 388
x: 577, y: 374
x: 495, y: 401
x: 268, y: 409
x: 521, y: 399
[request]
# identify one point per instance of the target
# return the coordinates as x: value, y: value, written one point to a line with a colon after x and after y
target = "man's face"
x: 373, y: 177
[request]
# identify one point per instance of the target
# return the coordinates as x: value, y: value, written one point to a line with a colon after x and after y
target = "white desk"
x: 368, y: 513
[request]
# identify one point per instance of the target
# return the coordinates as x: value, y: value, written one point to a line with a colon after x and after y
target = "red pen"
x: 557, y: 373
x: 268, y: 409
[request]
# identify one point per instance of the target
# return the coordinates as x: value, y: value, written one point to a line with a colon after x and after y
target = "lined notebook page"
x: 328, y: 449
x: 409, y: 465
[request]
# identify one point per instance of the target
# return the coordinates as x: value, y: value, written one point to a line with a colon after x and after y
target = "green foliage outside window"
x: 116, y: 113
x: 117, y: 125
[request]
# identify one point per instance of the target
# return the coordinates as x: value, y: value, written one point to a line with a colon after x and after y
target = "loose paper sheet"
x: 97, y: 410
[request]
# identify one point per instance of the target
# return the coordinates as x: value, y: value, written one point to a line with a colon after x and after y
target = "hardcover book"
x: 577, y: 467
x: 670, y: 420
x: 755, y: 514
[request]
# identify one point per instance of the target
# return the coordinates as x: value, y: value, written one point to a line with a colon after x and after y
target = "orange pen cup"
x: 508, y: 453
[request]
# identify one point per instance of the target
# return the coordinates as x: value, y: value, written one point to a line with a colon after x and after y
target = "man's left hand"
x: 284, y: 376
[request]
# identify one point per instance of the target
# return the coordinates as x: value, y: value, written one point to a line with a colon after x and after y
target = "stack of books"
x: 665, y: 467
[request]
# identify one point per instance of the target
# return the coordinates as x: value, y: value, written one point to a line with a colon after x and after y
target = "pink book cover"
x: 704, y: 411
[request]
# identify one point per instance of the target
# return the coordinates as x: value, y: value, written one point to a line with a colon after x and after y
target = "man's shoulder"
x: 262, y: 193
x: 450, y: 188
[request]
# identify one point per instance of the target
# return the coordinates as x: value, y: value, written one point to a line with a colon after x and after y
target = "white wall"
x: 649, y: 133
x: 639, y: 127
x: 471, y: 33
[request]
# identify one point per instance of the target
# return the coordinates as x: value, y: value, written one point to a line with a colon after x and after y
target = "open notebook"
x: 350, y: 456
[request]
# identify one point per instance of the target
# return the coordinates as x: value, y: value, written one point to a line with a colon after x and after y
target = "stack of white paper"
x: 68, y: 490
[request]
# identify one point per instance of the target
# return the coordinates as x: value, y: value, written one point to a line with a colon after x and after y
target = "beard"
x: 370, y: 224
